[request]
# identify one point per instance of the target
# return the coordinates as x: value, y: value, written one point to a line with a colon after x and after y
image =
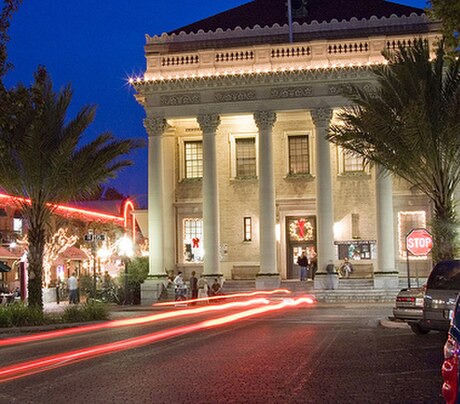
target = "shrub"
x: 93, y: 311
x: 18, y: 314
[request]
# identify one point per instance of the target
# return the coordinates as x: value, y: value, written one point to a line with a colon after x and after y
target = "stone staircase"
x: 349, y: 290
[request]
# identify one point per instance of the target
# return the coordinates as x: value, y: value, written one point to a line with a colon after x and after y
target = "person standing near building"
x: 302, y: 261
x: 72, y: 287
x: 193, y: 285
x: 202, y: 287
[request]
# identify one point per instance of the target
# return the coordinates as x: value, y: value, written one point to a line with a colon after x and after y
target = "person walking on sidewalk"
x: 302, y: 261
x: 72, y: 286
x: 202, y: 287
x: 193, y: 285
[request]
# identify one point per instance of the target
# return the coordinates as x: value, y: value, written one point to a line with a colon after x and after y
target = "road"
x: 321, y: 354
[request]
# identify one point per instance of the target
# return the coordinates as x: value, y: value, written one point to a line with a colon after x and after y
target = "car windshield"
x: 445, y: 275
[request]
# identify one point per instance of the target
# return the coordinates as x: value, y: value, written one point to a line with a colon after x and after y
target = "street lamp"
x: 125, y: 250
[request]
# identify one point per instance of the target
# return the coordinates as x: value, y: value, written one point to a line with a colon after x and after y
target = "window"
x: 247, y: 226
x: 193, y: 159
x: 352, y: 163
x: 17, y: 222
x: 408, y: 221
x: 299, y: 161
x: 193, y: 240
x: 349, y: 163
x: 245, y: 157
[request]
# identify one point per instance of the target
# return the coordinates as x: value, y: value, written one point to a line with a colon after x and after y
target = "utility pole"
x: 93, y: 238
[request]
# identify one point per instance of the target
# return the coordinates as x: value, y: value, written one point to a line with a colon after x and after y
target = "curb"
x: 394, y: 324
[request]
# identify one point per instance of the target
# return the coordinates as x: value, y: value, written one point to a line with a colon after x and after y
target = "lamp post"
x: 125, y: 249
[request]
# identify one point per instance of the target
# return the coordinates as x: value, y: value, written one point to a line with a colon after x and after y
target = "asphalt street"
x: 321, y: 354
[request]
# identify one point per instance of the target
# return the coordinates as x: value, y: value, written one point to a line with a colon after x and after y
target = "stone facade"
x: 298, y: 86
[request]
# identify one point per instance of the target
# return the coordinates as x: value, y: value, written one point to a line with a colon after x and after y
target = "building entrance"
x: 300, y: 236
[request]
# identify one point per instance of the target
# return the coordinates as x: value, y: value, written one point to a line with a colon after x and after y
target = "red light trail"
x: 128, y: 322
x: 221, y: 297
x: 49, y: 362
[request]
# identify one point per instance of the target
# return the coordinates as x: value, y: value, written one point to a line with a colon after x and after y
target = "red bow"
x: 301, y: 225
x: 196, y: 242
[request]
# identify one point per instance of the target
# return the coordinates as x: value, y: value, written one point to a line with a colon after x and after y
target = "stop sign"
x: 419, y: 242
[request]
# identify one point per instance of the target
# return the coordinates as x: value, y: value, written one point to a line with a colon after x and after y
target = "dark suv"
x: 442, y: 289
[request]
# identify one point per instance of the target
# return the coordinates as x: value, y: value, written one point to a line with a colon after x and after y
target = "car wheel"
x: 418, y: 329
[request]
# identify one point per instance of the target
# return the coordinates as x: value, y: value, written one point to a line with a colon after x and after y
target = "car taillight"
x: 450, y: 348
x: 406, y: 299
x: 450, y: 371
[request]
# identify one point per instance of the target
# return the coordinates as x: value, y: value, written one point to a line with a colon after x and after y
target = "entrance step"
x: 356, y: 296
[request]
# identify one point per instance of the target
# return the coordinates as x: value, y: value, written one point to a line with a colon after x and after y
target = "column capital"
x: 264, y: 119
x: 155, y: 126
x: 208, y: 122
x: 321, y: 116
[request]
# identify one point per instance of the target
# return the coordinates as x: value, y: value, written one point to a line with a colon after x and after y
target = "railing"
x: 314, y: 54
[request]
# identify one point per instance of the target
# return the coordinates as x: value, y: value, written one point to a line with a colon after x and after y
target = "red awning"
x: 74, y: 254
x: 16, y: 253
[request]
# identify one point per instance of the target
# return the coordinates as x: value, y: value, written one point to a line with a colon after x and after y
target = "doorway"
x: 300, y: 236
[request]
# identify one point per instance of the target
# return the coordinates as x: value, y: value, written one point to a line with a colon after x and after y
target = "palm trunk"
x: 445, y: 230
x: 36, y: 238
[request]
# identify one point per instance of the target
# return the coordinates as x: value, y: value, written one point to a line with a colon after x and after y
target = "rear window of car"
x: 445, y: 275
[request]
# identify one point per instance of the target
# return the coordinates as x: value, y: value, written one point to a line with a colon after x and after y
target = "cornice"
x: 284, y: 78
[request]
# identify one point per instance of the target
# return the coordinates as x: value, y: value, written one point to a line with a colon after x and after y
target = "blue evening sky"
x: 95, y: 45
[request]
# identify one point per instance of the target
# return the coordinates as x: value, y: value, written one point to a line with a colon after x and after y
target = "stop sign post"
x: 419, y: 243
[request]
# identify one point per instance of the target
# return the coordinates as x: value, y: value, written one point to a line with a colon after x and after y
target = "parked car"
x: 409, y: 308
x: 442, y: 288
x: 450, y: 366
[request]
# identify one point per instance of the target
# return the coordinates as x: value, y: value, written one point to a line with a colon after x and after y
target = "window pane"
x: 193, y: 240
x: 298, y: 155
x: 245, y: 157
x: 352, y: 162
x: 194, y: 159
x: 247, y: 223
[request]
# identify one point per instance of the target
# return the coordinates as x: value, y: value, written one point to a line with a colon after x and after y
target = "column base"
x: 152, y: 288
x: 386, y: 280
x: 326, y: 281
x: 268, y: 281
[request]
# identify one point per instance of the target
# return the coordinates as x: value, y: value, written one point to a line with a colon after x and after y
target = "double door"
x: 300, y: 236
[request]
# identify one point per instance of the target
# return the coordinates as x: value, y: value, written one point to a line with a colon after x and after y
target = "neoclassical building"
x: 241, y: 176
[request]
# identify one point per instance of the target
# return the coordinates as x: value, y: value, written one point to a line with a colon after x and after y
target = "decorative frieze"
x: 294, y: 77
x: 232, y: 96
x: 180, y: 99
x: 155, y: 126
x: 292, y: 92
x: 335, y: 89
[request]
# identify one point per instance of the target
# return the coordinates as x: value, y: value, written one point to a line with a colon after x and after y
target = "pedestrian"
x: 216, y: 288
x: 193, y: 286
x: 72, y: 287
x: 346, y: 268
x: 202, y: 287
x: 313, y: 265
x: 302, y: 261
x: 330, y: 269
x: 179, y: 286
x: 106, y: 280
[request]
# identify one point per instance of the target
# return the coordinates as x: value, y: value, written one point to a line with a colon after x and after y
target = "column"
x: 211, y: 234
x: 155, y: 128
x: 267, y: 209
x: 385, y: 227
x: 324, y: 200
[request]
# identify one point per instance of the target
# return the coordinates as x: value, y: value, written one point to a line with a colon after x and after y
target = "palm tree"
x: 410, y: 125
x: 43, y: 159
